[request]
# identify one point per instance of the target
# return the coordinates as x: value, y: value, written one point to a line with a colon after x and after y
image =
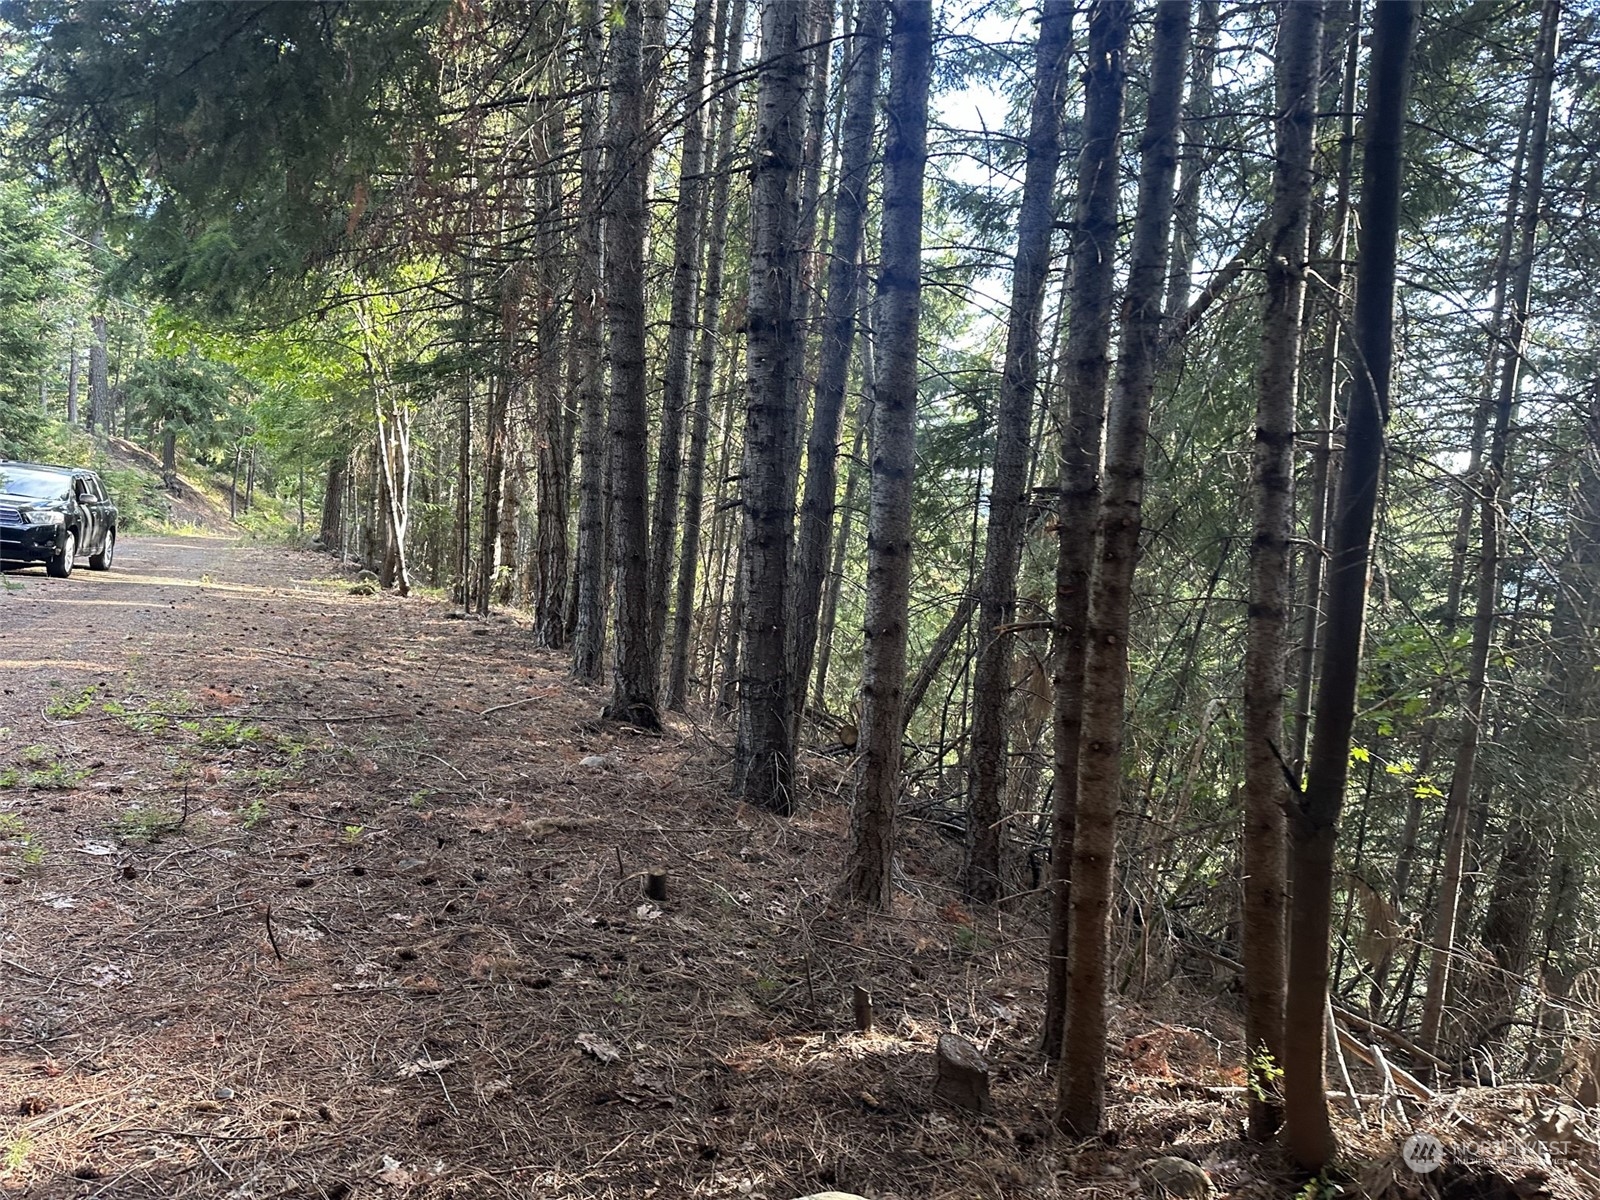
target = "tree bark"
x: 633, y: 666
x: 1314, y: 814
x: 1085, y: 377
x: 1008, y: 500
x: 764, y: 750
x: 588, y: 367
x: 863, y: 59
x: 1081, y: 1099
x: 1265, y: 884
x: 72, y: 379
x: 827, y: 618
x: 333, y: 507
x: 867, y: 876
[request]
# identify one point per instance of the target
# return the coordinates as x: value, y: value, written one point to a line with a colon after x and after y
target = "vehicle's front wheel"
x: 61, y: 565
x: 102, y: 561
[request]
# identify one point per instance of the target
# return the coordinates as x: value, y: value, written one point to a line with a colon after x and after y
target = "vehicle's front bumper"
x: 30, y: 543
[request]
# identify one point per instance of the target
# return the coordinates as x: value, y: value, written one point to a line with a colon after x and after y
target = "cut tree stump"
x: 962, y: 1075
x: 862, y: 1001
x: 655, y: 886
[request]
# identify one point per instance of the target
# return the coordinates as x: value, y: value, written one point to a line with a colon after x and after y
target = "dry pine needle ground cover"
x: 313, y: 894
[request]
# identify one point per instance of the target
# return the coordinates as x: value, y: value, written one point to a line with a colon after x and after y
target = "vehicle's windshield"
x: 35, y: 485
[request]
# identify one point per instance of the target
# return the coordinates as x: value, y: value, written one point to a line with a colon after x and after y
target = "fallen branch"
x: 1404, y: 1079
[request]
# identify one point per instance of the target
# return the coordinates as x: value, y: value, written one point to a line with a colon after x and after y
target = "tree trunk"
x: 1081, y: 1101
x: 99, y: 382
x: 633, y: 668
x: 764, y: 751
x: 928, y: 670
x: 495, y: 446
x: 817, y: 42
x: 333, y: 508
x: 1491, y: 486
x: 461, y: 555
x: 863, y: 59
x: 1314, y: 814
x: 588, y: 368
x: 72, y: 379
x: 1328, y: 383
x: 689, y: 214
x: 1264, y: 886
x: 552, y: 463
x: 1198, y: 136
x: 394, y: 463
x: 1085, y: 376
x: 868, y: 868
x: 1008, y: 500
x: 99, y: 385
x: 828, y: 617
x: 729, y: 53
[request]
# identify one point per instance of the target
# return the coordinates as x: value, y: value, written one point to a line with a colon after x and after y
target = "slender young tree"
x: 1008, y: 503
x: 867, y: 879
x: 688, y: 223
x: 587, y: 377
x: 863, y: 68
x: 1491, y: 487
x: 729, y: 52
x: 545, y: 570
x: 1314, y: 813
x: 1265, y: 884
x: 1081, y: 1101
x: 1085, y: 377
x: 764, y: 750
x: 1328, y: 382
x: 633, y: 667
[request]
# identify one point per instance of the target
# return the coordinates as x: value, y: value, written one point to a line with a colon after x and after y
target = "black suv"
x: 54, y: 514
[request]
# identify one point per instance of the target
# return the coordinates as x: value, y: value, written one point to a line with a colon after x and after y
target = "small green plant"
x: 71, y: 705
x: 16, y: 1152
x: 227, y: 735
x: 33, y: 755
x: 255, y: 812
x: 140, y: 824
x: 14, y: 834
x: 1320, y: 1187
x: 352, y: 834
x: 10, y: 777
x: 1266, y: 1076
x: 964, y: 939
x: 57, y: 777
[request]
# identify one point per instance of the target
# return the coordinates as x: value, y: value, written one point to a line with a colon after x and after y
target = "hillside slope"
x: 320, y: 894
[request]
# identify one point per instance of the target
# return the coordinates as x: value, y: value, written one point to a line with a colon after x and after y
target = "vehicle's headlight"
x: 44, y: 517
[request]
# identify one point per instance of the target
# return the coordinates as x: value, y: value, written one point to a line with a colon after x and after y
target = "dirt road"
x: 312, y: 894
x: 234, y: 798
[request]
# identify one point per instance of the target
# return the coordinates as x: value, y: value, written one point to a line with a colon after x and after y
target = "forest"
x: 1154, y: 444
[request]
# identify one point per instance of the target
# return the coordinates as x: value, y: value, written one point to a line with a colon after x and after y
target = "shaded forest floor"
x: 315, y: 894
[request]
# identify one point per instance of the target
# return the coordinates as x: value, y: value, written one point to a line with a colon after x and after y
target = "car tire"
x: 61, y: 565
x: 102, y: 561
